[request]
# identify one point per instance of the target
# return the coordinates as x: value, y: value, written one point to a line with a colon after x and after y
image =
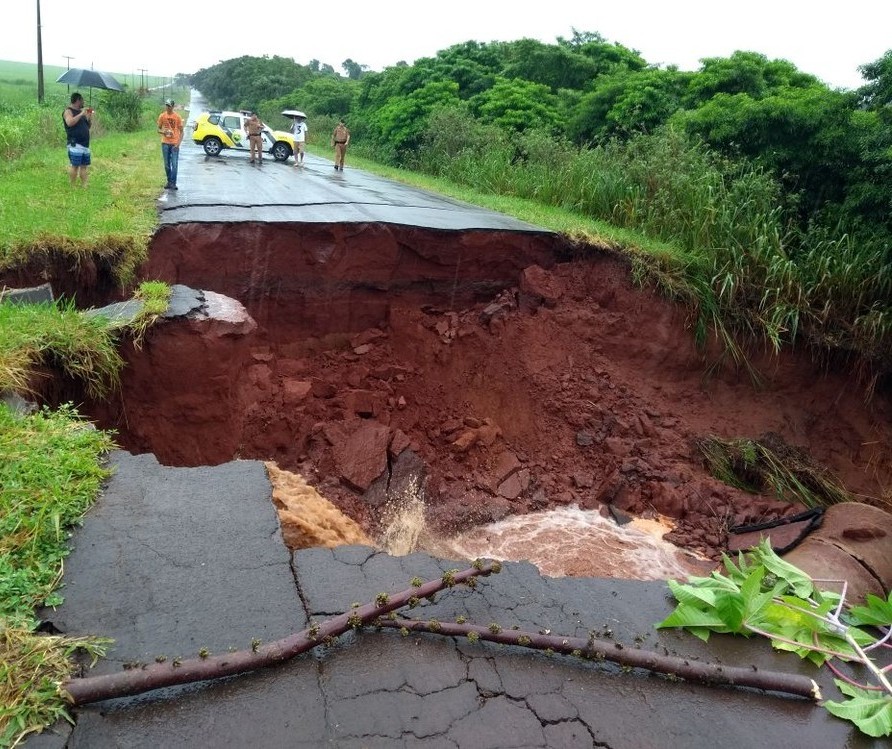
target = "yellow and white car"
x: 218, y: 130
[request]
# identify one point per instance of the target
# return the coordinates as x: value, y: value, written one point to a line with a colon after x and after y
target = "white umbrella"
x: 293, y: 113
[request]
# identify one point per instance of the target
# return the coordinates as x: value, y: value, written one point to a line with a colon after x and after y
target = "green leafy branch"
x: 761, y: 594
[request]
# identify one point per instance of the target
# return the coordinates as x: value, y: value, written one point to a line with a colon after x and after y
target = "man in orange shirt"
x: 170, y: 125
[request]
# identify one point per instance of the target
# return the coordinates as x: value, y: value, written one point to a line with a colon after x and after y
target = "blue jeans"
x: 171, y: 155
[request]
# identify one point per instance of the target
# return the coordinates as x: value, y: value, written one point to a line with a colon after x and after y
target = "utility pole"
x: 39, y: 59
x: 68, y: 59
x: 142, y: 80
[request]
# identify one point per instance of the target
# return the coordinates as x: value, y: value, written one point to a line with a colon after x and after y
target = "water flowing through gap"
x: 566, y: 541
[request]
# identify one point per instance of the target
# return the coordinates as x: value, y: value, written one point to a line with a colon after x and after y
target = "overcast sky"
x: 828, y: 40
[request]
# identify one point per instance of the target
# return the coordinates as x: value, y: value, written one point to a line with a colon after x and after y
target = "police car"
x: 218, y: 130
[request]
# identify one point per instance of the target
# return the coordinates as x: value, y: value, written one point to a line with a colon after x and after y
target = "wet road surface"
x: 228, y: 188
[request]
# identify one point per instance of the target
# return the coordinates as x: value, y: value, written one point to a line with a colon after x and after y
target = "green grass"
x: 769, y: 465
x: 51, y: 462
x: 31, y: 668
x: 18, y: 83
x: 114, y: 216
x: 50, y: 472
x: 81, y: 346
x: 45, y: 217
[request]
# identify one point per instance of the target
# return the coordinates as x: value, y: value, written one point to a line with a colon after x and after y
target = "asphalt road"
x: 173, y: 560
x: 228, y: 188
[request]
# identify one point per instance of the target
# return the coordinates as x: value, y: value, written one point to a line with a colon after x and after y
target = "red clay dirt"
x: 524, y: 382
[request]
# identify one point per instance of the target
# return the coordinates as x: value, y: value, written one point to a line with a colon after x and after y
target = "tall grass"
x: 769, y: 465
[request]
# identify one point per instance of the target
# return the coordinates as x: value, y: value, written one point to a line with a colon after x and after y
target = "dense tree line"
x: 830, y: 150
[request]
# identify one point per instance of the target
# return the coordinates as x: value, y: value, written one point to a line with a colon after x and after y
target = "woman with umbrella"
x: 77, y: 121
x: 299, y: 131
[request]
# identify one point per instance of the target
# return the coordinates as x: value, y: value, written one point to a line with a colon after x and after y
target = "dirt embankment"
x: 489, y: 369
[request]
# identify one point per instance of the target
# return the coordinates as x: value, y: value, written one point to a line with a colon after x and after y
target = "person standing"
x: 78, y: 120
x: 299, y: 131
x: 340, y: 139
x: 254, y: 128
x: 170, y: 125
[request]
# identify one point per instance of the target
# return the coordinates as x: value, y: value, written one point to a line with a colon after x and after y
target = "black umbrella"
x: 91, y: 79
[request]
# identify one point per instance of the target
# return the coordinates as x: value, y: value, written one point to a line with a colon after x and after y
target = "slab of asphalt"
x: 173, y: 560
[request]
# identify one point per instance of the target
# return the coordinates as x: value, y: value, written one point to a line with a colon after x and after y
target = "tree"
x: 580, y: 38
x: 626, y: 103
x: 748, y: 73
x: 553, y: 66
x: 516, y: 105
x: 402, y: 120
x: 877, y: 92
x: 802, y: 135
x: 353, y: 69
x: 327, y: 95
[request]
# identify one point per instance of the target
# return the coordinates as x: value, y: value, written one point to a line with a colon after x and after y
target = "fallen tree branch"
x: 141, y: 678
x: 598, y: 650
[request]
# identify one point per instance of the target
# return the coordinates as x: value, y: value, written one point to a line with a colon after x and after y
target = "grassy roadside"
x: 112, y: 219
x: 50, y: 471
x: 52, y: 462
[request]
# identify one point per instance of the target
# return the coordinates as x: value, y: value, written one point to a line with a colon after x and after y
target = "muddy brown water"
x: 503, y: 372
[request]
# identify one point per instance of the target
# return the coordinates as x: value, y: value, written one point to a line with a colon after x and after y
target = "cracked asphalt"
x: 173, y: 560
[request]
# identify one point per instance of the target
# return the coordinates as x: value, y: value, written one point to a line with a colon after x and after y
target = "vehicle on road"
x: 218, y: 130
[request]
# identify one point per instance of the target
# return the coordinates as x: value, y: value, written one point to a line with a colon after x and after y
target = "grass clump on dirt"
x: 59, y: 335
x: 31, y: 668
x: 50, y: 472
x: 154, y: 298
x: 769, y: 465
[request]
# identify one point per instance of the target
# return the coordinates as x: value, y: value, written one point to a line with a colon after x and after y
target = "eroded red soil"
x: 540, y: 384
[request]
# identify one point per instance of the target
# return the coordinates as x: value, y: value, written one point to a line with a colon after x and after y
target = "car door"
x: 234, y: 126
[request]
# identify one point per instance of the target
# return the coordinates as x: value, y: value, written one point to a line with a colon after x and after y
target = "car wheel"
x: 281, y: 151
x: 212, y: 145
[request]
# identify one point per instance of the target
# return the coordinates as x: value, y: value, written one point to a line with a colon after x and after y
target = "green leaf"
x: 752, y: 585
x: 690, y: 594
x: 688, y: 616
x: 877, y: 612
x: 870, y: 711
x: 730, y: 608
x: 800, y: 583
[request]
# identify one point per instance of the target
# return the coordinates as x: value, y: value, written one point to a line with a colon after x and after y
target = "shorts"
x: 299, y: 146
x: 79, y: 155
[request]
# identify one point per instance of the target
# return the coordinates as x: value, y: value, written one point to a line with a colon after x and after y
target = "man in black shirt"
x: 77, y: 132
